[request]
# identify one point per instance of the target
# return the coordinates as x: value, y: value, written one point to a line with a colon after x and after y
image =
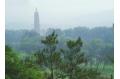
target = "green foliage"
x: 50, y: 39
x: 7, y: 48
x: 72, y: 44
x: 86, y: 73
x: 51, y: 62
x: 49, y: 57
x: 12, y: 62
x: 32, y: 73
x: 73, y: 57
x: 16, y: 69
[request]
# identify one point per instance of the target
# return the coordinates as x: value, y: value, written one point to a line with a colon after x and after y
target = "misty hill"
x: 97, y: 41
x: 104, y: 33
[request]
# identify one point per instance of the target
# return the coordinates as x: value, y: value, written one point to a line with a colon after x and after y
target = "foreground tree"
x: 74, y: 63
x: 12, y: 62
x: 16, y: 69
x: 50, y: 54
x: 73, y: 57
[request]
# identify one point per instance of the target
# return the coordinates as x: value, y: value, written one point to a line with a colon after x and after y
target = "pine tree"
x: 52, y: 57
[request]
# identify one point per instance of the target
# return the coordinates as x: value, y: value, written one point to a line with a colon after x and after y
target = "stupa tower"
x: 36, y: 21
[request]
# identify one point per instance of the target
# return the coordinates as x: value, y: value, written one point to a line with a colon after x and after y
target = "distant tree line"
x: 97, y: 42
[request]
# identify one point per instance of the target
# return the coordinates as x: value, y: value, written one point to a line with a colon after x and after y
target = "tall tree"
x: 73, y: 57
x: 52, y: 56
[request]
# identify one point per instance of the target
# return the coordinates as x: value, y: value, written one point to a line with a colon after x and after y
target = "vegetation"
x: 98, y: 43
x: 56, y: 60
x: 18, y: 69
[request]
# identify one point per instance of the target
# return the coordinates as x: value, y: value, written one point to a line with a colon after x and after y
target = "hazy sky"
x: 61, y: 13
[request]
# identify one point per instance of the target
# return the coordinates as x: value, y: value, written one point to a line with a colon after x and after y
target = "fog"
x: 61, y: 14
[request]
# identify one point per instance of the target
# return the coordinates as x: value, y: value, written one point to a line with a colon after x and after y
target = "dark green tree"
x: 73, y: 56
x: 16, y: 68
x: 12, y: 62
x: 74, y: 63
x: 50, y: 55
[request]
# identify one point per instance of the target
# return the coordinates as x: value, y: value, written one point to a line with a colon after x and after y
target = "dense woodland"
x: 78, y: 53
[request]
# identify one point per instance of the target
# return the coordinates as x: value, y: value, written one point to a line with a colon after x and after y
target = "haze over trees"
x: 79, y: 53
x: 97, y: 42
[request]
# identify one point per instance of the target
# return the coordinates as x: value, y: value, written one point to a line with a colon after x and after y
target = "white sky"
x: 60, y: 12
